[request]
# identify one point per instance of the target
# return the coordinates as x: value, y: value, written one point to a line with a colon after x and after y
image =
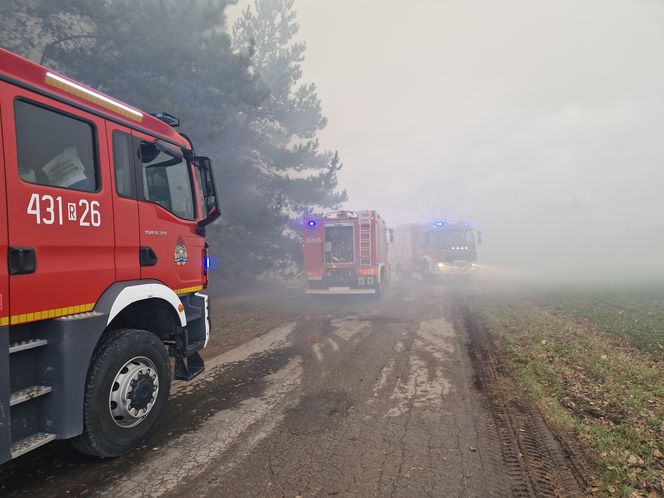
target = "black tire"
x: 102, y: 436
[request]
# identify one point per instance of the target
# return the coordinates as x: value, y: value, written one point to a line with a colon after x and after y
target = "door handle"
x: 21, y: 260
x: 147, y: 256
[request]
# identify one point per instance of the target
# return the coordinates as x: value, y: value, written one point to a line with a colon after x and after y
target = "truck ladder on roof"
x: 365, y: 239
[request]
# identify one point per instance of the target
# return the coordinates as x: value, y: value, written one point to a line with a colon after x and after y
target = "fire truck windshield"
x: 446, y: 239
x: 339, y: 243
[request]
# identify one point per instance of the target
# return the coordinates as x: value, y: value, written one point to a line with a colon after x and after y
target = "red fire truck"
x: 345, y: 252
x: 438, y: 249
x: 102, y: 225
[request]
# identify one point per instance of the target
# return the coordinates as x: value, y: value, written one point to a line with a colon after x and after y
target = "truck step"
x: 30, y: 443
x: 194, y: 347
x: 27, y: 394
x: 24, y: 345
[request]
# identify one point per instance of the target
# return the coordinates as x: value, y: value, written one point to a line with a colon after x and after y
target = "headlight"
x: 441, y: 265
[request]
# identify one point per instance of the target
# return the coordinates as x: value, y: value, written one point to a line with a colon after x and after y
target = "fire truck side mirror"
x: 391, y: 231
x: 209, y: 189
x: 479, y: 238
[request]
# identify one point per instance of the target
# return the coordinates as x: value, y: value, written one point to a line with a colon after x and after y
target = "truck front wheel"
x: 127, y: 386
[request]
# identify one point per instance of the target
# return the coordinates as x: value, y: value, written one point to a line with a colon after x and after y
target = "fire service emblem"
x: 181, y: 256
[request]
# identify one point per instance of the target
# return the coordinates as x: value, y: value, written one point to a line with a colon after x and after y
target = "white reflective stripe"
x: 92, y: 93
x: 206, y: 316
x: 140, y: 292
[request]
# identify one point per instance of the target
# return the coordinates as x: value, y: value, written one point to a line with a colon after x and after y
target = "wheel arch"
x: 148, y: 305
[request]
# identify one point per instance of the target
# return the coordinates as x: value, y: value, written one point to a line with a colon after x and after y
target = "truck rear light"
x: 315, y: 275
x: 367, y: 271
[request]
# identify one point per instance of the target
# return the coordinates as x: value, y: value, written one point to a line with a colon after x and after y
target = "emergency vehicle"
x: 345, y: 252
x: 438, y: 249
x: 102, y: 228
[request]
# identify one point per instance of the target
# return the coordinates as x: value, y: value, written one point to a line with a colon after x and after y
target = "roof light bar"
x: 171, y: 121
x: 92, y: 96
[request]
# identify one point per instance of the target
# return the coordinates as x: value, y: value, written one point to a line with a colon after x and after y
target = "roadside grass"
x: 579, y: 360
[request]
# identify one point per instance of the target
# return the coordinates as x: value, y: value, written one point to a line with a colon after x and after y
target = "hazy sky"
x: 542, y: 122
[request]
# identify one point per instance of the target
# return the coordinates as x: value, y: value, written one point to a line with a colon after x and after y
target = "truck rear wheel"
x: 127, y: 386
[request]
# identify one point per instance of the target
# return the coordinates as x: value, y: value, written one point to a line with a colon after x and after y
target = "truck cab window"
x: 167, y: 181
x: 201, y: 196
x: 122, y: 165
x: 339, y: 244
x: 55, y: 149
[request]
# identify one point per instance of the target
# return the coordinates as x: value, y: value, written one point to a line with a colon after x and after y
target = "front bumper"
x: 340, y: 291
x: 453, y: 270
x: 341, y: 281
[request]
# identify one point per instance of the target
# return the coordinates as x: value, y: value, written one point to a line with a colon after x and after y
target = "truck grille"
x: 339, y: 275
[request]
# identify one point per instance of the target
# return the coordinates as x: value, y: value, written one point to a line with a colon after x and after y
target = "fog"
x: 541, y: 122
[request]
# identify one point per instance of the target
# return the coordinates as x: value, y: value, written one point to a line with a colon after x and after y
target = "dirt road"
x: 345, y: 397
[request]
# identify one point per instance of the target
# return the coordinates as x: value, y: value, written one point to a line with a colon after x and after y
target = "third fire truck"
x: 345, y: 252
x: 438, y: 249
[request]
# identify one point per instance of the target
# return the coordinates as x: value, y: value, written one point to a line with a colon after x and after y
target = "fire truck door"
x: 59, y: 205
x: 170, y: 249
x: 125, y: 206
x: 4, y: 277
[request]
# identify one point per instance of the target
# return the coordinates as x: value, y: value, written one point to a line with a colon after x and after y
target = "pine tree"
x: 289, y: 120
x: 168, y: 55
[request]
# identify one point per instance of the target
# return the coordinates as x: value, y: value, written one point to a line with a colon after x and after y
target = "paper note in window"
x: 65, y: 169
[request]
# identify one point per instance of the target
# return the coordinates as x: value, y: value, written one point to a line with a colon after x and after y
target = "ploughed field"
x: 438, y: 389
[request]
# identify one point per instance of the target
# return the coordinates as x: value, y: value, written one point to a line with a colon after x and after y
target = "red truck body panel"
x: 4, y: 243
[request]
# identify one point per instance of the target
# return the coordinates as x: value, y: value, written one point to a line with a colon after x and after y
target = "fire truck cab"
x: 102, y: 228
x: 345, y: 252
x: 438, y: 249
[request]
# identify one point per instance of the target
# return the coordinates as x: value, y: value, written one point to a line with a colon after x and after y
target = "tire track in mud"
x: 521, y: 447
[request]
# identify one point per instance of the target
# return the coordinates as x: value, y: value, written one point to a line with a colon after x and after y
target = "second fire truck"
x: 345, y: 252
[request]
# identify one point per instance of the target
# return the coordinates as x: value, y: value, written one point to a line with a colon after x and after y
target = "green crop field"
x: 593, y: 361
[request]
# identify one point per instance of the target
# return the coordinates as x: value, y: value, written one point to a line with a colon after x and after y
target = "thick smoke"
x: 539, y: 122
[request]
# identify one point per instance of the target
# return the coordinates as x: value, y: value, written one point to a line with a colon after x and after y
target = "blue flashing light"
x: 210, y: 263
x: 466, y: 223
x: 311, y: 223
x: 439, y: 224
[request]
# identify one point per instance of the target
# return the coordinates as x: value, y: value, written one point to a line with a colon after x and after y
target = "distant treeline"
x: 238, y: 93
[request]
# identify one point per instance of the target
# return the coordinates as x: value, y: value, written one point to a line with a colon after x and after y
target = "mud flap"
x: 188, y: 367
x: 188, y: 362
